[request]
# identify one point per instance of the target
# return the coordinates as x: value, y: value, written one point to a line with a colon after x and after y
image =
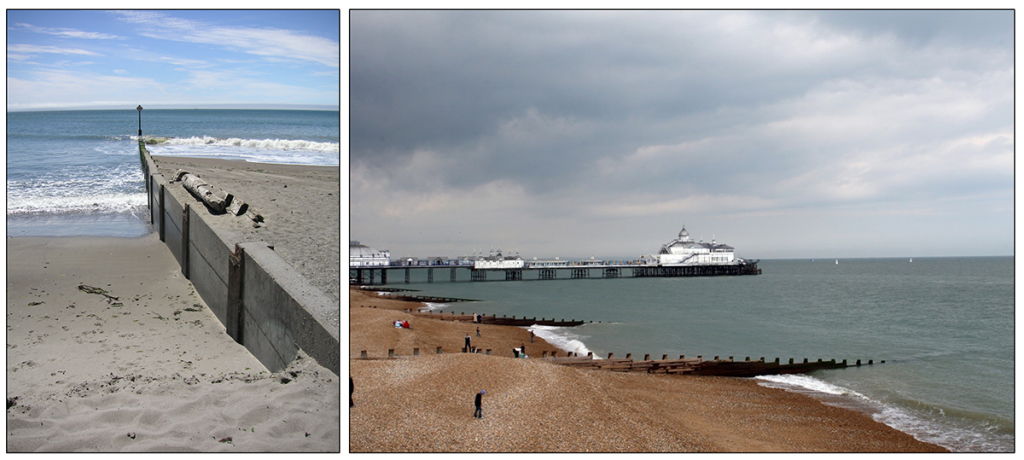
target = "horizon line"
x: 324, y: 107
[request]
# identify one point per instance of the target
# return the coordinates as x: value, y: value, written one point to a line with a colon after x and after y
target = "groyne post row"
x: 494, y: 319
x: 262, y: 301
x: 683, y: 365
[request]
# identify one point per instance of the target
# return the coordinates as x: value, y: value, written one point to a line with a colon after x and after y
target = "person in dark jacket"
x: 478, y: 413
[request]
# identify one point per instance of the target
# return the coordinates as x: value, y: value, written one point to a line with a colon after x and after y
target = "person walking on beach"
x: 468, y: 338
x: 478, y: 331
x: 531, y: 335
x: 479, y: 413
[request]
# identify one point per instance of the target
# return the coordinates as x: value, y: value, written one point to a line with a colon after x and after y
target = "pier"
x: 380, y: 275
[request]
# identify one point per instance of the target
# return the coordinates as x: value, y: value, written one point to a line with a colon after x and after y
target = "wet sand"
x: 425, y: 403
x: 152, y: 370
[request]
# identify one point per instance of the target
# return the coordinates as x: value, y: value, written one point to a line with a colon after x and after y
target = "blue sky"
x: 89, y: 59
x: 784, y: 133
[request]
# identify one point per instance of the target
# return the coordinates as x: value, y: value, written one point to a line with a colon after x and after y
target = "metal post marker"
x: 139, y: 108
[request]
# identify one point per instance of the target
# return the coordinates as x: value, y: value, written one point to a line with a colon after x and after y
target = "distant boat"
x: 837, y: 261
x: 911, y: 260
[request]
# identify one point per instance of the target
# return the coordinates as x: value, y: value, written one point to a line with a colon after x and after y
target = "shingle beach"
x: 425, y: 403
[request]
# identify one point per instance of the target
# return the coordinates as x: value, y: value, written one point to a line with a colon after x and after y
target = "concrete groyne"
x: 262, y: 301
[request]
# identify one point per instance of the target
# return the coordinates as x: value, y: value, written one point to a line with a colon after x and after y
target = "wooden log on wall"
x: 214, y: 198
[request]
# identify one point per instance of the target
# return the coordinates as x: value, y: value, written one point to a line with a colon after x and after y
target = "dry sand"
x: 425, y: 403
x: 153, y: 370
x: 300, y: 206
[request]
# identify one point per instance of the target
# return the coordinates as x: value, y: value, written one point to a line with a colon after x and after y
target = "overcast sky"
x: 786, y: 134
x: 88, y: 59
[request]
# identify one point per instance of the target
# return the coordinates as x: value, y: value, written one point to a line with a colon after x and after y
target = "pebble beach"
x: 425, y: 403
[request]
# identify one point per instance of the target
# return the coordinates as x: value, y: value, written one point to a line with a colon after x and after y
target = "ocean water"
x: 943, y: 326
x: 77, y: 172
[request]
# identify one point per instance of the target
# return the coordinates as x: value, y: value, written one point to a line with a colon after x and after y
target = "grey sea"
x: 943, y: 326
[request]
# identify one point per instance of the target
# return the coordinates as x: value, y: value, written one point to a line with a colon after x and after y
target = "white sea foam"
x: 561, y: 337
x: 942, y: 431
x: 800, y: 381
x: 269, y: 144
x: 105, y: 203
x: 431, y: 306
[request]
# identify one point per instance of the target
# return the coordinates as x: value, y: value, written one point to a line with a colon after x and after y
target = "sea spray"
x: 561, y: 337
x: 269, y: 144
x: 431, y: 306
x: 800, y: 382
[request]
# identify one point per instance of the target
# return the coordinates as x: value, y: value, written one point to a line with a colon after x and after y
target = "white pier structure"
x: 684, y: 251
x: 495, y: 261
x: 360, y: 255
x: 680, y: 257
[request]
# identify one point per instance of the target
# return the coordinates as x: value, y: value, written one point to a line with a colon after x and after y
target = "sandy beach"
x: 425, y: 403
x: 300, y: 207
x: 109, y: 349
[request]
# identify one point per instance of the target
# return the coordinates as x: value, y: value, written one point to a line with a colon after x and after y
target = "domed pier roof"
x: 684, y: 235
x: 355, y: 249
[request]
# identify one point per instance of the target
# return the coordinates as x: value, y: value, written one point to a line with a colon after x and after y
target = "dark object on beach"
x: 479, y: 413
x: 96, y: 290
x: 254, y: 215
x: 351, y: 389
x: 238, y: 207
x: 32, y: 304
x: 131, y: 435
x: 227, y: 439
x: 11, y: 402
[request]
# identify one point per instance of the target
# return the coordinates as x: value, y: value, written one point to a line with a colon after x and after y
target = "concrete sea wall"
x: 262, y: 301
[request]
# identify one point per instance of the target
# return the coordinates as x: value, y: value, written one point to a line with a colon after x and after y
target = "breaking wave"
x: 269, y: 144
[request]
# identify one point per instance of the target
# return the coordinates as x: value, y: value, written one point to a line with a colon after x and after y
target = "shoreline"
x: 133, y: 360
x: 535, y: 406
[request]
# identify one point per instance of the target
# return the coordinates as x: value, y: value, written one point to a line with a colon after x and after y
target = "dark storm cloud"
x: 585, y: 115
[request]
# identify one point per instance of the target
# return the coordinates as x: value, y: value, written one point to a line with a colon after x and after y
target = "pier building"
x: 360, y: 255
x: 684, y: 251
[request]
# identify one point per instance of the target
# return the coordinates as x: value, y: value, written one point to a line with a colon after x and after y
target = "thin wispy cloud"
x: 268, y: 42
x: 68, y: 33
x: 28, y: 50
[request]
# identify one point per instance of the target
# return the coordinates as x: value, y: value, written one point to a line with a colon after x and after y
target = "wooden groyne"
x: 698, y: 366
x: 502, y: 321
x: 681, y: 366
x: 391, y: 294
